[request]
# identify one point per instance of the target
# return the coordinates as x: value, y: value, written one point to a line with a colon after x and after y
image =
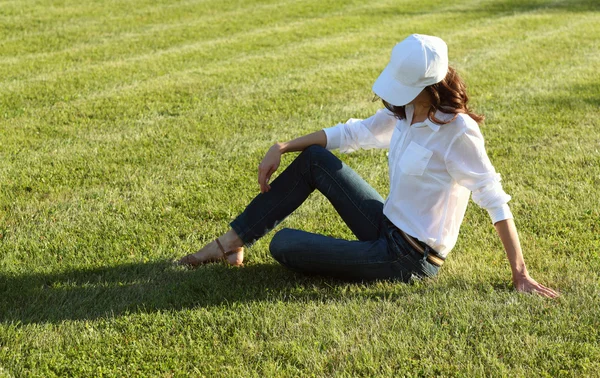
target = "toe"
x: 188, y: 261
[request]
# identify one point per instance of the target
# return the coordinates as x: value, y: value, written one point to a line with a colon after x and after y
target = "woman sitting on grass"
x: 436, y: 159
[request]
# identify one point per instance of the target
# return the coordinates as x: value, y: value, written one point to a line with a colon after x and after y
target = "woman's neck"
x: 421, y: 105
x: 421, y: 112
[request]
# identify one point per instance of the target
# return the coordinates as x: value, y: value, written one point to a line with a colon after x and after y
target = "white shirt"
x: 433, y: 170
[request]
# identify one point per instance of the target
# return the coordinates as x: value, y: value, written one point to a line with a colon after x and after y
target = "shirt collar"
x: 434, y: 126
x: 409, y: 113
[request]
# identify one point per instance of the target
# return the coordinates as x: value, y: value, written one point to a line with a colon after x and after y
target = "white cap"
x: 418, y: 61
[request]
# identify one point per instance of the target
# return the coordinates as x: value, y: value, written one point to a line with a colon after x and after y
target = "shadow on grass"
x: 579, y: 96
x: 92, y: 293
x: 147, y: 287
x: 518, y: 6
x: 497, y: 8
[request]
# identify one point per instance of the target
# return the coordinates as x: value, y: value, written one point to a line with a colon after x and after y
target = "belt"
x: 432, y: 255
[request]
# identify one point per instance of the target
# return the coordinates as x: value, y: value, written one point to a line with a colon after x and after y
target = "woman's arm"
x: 521, y: 280
x: 272, y: 159
x: 373, y: 132
x: 299, y: 144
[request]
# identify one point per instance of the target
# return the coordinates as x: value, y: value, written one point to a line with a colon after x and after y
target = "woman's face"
x: 423, y: 99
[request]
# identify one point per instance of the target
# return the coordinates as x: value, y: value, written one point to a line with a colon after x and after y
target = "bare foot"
x: 232, y: 246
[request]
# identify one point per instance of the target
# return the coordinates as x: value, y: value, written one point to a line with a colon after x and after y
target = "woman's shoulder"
x: 384, y: 112
x: 459, y: 123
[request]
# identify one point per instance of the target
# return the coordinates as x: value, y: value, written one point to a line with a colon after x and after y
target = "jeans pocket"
x: 409, y: 261
x: 405, y: 270
x: 428, y: 269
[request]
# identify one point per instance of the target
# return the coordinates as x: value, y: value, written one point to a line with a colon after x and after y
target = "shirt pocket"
x: 415, y: 159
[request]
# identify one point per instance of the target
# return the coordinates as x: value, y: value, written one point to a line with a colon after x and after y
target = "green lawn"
x: 130, y: 134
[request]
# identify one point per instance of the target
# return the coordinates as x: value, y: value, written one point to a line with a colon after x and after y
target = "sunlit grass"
x: 130, y: 133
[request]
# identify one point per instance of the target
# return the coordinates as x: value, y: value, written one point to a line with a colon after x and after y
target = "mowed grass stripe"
x: 239, y: 39
x: 45, y: 94
x: 301, y: 51
x: 116, y: 42
x: 252, y: 25
x: 227, y: 14
x: 36, y: 28
x: 264, y: 84
x: 128, y: 48
x: 43, y: 87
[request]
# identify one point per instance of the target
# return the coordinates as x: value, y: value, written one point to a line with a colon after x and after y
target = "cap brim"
x: 392, y: 91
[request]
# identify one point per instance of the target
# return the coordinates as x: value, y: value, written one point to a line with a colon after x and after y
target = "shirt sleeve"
x: 468, y: 164
x: 373, y: 132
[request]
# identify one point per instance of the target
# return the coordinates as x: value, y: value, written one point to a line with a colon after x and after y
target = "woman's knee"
x: 280, y: 244
x: 314, y: 148
x: 316, y: 155
x: 315, y: 151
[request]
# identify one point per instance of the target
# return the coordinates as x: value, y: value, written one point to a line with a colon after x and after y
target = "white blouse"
x: 433, y: 170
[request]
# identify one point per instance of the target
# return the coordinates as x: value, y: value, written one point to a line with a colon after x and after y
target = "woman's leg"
x: 356, y: 260
x: 359, y: 205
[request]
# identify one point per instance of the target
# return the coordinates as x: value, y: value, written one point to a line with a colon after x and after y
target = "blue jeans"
x: 380, y: 251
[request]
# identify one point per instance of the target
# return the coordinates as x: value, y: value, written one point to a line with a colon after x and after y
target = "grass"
x: 130, y: 133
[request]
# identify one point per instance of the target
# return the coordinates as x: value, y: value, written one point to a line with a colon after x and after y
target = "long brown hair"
x: 448, y: 96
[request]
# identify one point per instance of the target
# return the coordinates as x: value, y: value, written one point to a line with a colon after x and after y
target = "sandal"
x: 193, y: 262
x: 229, y: 253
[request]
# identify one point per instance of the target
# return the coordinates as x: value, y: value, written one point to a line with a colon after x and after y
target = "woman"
x: 436, y: 160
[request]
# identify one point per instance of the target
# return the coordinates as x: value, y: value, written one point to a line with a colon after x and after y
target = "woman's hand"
x: 268, y: 166
x: 271, y: 161
x: 523, y: 282
x: 526, y: 284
